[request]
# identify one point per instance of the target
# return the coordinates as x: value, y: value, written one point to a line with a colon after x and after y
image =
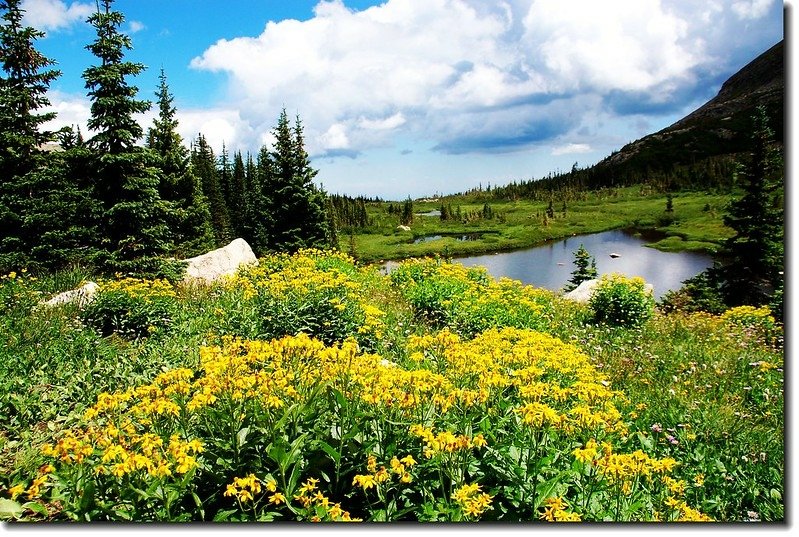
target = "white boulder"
x: 220, y: 262
x: 583, y: 292
x: 80, y: 296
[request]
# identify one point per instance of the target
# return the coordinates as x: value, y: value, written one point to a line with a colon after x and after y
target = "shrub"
x: 467, y: 300
x: 131, y: 307
x: 312, y: 292
x: 622, y: 301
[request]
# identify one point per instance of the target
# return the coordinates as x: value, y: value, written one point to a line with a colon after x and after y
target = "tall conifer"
x: 189, y: 218
x: 756, y: 252
x: 24, y: 81
x: 203, y: 165
x: 127, y: 182
x: 296, y: 203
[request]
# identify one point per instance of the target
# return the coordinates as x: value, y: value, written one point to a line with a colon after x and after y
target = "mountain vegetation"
x: 313, y: 387
x: 125, y: 202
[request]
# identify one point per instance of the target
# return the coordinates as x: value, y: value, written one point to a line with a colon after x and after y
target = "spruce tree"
x: 296, y: 204
x: 236, y: 195
x: 203, y: 165
x: 585, y: 269
x: 754, y: 271
x: 24, y: 81
x: 134, y: 222
x: 189, y: 218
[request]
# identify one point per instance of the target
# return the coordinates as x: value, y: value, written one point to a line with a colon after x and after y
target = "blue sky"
x: 418, y: 97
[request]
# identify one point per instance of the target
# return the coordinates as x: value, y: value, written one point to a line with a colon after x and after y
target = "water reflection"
x: 550, y: 266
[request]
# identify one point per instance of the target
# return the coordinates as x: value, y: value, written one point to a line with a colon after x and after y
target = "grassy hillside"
x: 695, y: 224
x: 310, y: 388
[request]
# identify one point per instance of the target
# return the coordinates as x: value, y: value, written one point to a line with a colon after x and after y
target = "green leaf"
x: 36, y: 507
x: 330, y: 450
x: 86, y: 496
x: 241, y: 436
x: 10, y: 509
x: 224, y: 515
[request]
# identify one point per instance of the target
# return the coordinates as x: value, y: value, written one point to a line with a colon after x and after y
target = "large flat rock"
x: 221, y: 262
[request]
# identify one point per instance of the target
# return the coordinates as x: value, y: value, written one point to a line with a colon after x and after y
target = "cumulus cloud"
x: 751, y: 9
x: 218, y: 125
x: 53, y: 15
x: 570, y: 149
x: 467, y: 75
x: 135, y: 27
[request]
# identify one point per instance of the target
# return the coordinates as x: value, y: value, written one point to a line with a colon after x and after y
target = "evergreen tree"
x: 189, y: 218
x: 203, y: 165
x: 225, y: 175
x: 585, y: 269
x: 756, y: 251
x: 23, y: 89
x: 406, y: 217
x: 24, y: 81
x: 134, y: 221
x: 332, y: 225
x: 297, y: 206
x: 236, y: 195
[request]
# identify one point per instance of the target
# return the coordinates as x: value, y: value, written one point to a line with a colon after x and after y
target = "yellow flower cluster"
x: 556, y: 511
x: 445, y: 441
x: 375, y: 477
x: 622, y: 467
x: 119, y: 452
x: 244, y: 489
x: 139, y: 288
x: 471, y: 500
x: 324, y: 510
x: 297, y: 278
x: 471, y: 301
x: 557, y: 383
x: 34, y: 490
x: 674, y: 502
x: 748, y: 315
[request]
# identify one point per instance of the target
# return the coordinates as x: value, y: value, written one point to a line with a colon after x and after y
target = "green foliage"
x: 755, y: 254
x: 132, y: 308
x: 24, y: 82
x: 585, y: 269
x: 188, y: 215
x: 531, y: 420
x: 296, y: 205
x: 699, y: 293
x: 203, y: 165
x: 621, y: 301
x: 468, y: 301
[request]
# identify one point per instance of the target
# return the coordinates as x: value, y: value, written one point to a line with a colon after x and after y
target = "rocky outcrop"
x: 80, y: 296
x: 207, y: 268
x: 583, y: 292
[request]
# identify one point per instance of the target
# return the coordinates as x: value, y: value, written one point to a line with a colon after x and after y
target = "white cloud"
x: 218, y: 125
x: 135, y: 26
x: 751, y: 9
x: 457, y: 71
x: 52, y: 15
x: 71, y: 110
x: 570, y: 149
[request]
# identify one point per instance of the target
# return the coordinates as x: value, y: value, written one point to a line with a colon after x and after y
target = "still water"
x: 550, y: 265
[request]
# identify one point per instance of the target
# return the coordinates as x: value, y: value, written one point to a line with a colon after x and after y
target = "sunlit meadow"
x: 312, y: 389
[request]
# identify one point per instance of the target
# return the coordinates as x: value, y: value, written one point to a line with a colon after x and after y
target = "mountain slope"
x: 719, y: 127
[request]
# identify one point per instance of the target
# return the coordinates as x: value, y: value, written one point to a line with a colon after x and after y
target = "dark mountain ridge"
x: 719, y: 127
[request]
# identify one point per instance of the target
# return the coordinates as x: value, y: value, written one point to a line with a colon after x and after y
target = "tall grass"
x: 313, y: 389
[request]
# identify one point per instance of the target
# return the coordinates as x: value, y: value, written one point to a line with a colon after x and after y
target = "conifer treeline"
x: 113, y: 204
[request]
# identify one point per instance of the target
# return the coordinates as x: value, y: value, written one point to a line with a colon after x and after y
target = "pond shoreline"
x: 667, y: 242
